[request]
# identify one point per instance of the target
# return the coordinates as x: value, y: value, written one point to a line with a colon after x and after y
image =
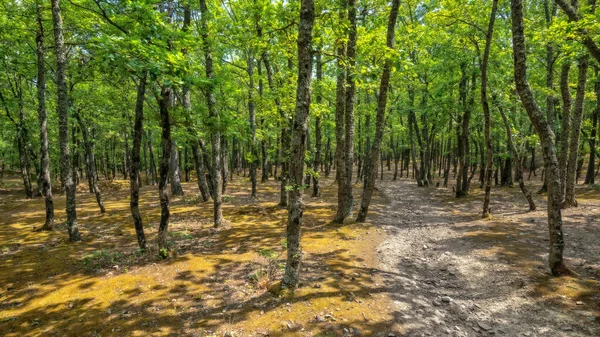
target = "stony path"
x: 451, y: 275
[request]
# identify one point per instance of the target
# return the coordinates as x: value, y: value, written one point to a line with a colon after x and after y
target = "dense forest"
x: 137, y: 135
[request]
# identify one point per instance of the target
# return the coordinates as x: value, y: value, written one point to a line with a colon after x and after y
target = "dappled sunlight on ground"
x: 214, y: 281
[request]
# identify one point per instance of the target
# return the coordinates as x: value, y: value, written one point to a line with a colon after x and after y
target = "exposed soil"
x: 425, y: 264
x: 452, y: 273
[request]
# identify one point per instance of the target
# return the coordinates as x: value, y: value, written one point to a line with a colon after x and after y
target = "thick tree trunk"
x: 575, y: 133
x: 218, y: 220
x: 43, y: 119
x: 62, y: 105
x: 555, y: 257
x: 380, y: 120
x: 299, y: 128
x: 135, y: 163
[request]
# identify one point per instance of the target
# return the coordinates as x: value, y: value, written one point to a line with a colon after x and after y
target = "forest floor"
x: 452, y: 273
x: 425, y: 264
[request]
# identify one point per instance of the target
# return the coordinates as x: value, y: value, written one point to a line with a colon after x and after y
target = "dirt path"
x: 454, y: 274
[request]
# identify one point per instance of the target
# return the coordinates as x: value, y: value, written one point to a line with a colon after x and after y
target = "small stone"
x: 446, y: 299
x: 484, y: 326
x: 567, y: 328
x: 391, y: 334
x: 425, y: 247
x: 437, y: 303
x: 579, y: 303
x: 318, y: 285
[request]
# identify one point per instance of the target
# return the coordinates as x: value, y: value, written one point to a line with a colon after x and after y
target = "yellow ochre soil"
x: 215, y: 282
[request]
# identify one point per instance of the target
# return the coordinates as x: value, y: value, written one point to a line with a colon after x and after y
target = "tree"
x: 380, y: 121
x: 43, y: 118
x: 213, y: 114
x: 486, y: 111
x: 62, y: 108
x: 299, y: 132
x: 544, y: 130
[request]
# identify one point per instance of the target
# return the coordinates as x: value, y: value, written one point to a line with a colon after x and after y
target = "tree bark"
x: 62, y: 105
x: 135, y: 163
x: 590, y: 176
x: 575, y: 134
x: 213, y: 114
x: 174, y: 171
x: 555, y: 258
x: 380, y: 119
x: 489, y: 164
x: 318, y: 137
x: 90, y: 161
x: 43, y: 119
x: 299, y: 128
x: 518, y: 161
x: 340, y: 111
x: 349, y: 110
x: 566, y: 126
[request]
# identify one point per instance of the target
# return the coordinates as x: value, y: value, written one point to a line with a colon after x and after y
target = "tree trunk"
x: 62, y: 105
x: 340, y: 112
x: 318, y: 137
x: 566, y: 126
x: 380, y: 120
x: 575, y: 133
x: 515, y: 152
x: 90, y: 160
x: 214, y: 115
x: 135, y: 163
x: 252, y: 112
x: 299, y: 128
x: 590, y: 176
x: 555, y: 258
x: 43, y: 119
x: 349, y: 110
x: 164, y: 101
x: 174, y: 171
x: 489, y: 164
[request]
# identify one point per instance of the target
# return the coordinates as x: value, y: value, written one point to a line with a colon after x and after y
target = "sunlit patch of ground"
x: 215, y: 281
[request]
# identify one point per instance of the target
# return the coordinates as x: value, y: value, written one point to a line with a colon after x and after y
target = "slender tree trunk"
x: 90, y: 159
x: 590, y: 176
x: 214, y: 115
x: 63, y: 122
x: 566, y: 126
x: 299, y: 128
x: 135, y: 163
x: 575, y: 133
x: 252, y: 111
x: 164, y: 101
x: 340, y: 111
x: 555, y: 257
x: 486, y: 112
x: 318, y: 137
x: 43, y: 119
x: 174, y: 171
x: 153, y: 172
x: 380, y: 120
x: 518, y: 161
x: 349, y: 110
